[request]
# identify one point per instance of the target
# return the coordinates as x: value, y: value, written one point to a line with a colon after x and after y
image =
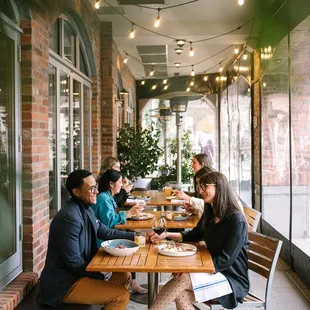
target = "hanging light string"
x: 170, y: 37
x: 166, y: 7
x: 216, y: 65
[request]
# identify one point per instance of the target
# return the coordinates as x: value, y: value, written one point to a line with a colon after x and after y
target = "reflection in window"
x: 69, y: 42
x: 52, y: 140
x: 7, y: 154
x: 82, y: 62
x: 54, y: 37
x: 87, y: 127
x: 76, y: 125
x: 64, y: 133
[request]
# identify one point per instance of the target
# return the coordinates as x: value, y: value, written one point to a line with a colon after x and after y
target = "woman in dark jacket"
x: 224, y: 229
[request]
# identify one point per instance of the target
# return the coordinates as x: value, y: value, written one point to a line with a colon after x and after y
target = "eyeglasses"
x: 93, y: 188
x: 204, y: 186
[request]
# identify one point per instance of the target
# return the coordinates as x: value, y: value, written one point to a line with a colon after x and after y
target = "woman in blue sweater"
x: 109, y: 185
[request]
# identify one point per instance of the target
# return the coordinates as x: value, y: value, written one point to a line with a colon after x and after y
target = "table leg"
x: 152, y: 286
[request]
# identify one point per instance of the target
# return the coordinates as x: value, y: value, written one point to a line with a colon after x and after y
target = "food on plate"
x: 177, y: 247
x: 121, y: 246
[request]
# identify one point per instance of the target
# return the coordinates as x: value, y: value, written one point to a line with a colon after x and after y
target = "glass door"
x: 10, y: 229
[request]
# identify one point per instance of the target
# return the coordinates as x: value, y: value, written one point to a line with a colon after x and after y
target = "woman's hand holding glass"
x: 153, y: 237
x: 135, y: 210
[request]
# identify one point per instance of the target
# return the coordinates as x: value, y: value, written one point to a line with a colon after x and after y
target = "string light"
x: 157, y: 20
x: 264, y: 84
x: 193, y: 71
x: 154, y: 87
x: 142, y: 82
x: 97, y: 4
x: 178, y: 50
x: 205, y: 78
x: 132, y: 33
x: 241, y: 2
x: 165, y: 81
x: 125, y: 59
x: 217, y: 78
x: 152, y: 72
x: 177, y: 64
x: 192, y: 83
x: 191, y: 50
x: 180, y: 42
x: 221, y: 68
x: 188, y: 89
x: 245, y: 56
x: 166, y: 87
x: 236, y: 49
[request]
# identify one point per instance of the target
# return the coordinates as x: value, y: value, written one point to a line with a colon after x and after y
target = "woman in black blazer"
x: 224, y: 229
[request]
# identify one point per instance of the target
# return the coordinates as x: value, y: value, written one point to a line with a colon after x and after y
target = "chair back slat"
x: 252, y: 216
x: 257, y: 248
x: 264, y: 241
x: 263, y: 261
x: 258, y: 269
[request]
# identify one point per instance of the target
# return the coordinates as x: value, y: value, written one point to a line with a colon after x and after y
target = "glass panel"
x: 87, y: 127
x: 275, y: 140
x: 54, y: 38
x: 7, y: 154
x: 69, y: 42
x: 300, y: 81
x: 64, y: 119
x: 82, y: 63
x: 224, y: 144
x: 6, y: 9
x: 52, y: 115
x: 76, y: 125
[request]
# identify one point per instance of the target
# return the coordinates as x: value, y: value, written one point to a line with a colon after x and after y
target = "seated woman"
x: 109, y: 185
x: 224, y: 229
x: 111, y: 162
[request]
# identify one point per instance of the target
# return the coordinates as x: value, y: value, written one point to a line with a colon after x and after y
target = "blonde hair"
x: 107, y: 164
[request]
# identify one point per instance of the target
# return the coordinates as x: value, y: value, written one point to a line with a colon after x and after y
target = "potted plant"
x: 138, y: 151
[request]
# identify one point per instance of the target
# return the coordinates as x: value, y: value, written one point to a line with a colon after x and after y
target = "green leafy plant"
x: 138, y: 151
x: 169, y: 173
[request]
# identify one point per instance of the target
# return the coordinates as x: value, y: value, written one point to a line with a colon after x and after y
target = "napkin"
x: 130, y: 200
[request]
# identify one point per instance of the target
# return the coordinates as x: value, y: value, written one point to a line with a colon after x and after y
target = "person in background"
x: 71, y: 247
x: 224, y: 229
x: 109, y: 185
x: 111, y: 162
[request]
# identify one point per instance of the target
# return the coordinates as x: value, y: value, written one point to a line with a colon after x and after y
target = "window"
x: 10, y: 154
x: 69, y: 110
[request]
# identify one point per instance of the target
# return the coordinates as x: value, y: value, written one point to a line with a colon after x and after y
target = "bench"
x: 30, y: 303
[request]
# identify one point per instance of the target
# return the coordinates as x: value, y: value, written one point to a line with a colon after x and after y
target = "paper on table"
x: 130, y: 200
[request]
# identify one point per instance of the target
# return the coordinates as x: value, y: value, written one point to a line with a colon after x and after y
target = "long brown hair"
x: 224, y: 200
x: 107, y: 164
x: 203, y: 159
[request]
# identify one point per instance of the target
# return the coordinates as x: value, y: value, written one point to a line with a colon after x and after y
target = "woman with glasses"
x: 224, y: 229
x: 109, y: 185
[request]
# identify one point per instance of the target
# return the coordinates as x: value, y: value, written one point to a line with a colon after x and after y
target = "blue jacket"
x: 71, y: 246
x: 105, y: 210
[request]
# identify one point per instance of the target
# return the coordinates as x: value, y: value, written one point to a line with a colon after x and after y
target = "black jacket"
x: 227, y: 242
x: 121, y: 198
x: 71, y: 246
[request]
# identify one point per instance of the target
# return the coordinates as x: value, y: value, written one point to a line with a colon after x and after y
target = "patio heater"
x: 179, y: 106
x: 164, y: 117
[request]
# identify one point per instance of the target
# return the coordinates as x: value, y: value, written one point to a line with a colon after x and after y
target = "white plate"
x: 162, y: 250
x: 142, y: 217
x: 171, y: 197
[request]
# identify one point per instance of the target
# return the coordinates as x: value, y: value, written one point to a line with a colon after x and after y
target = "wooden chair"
x: 252, y: 216
x: 263, y: 256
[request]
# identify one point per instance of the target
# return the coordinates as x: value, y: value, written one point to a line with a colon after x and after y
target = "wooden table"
x: 191, y: 222
x: 157, y: 199
x: 147, y: 259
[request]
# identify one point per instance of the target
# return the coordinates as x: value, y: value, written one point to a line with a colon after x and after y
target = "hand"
x: 148, y: 236
x: 182, y: 195
x: 189, y: 208
x: 128, y: 188
x: 135, y: 210
x: 154, y: 237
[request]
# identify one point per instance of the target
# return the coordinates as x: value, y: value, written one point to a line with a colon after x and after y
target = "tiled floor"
x: 288, y: 293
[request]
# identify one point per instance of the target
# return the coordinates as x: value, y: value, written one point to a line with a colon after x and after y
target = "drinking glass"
x: 159, y: 225
x: 140, y: 238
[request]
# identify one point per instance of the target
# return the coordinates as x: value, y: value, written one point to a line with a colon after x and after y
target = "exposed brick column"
x: 34, y: 67
x: 108, y: 102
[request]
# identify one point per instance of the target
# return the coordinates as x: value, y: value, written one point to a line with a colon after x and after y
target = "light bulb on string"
x: 166, y: 87
x: 221, y: 68
x: 152, y: 72
x: 236, y: 50
x: 205, y: 78
x: 241, y: 2
x: 142, y: 82
x: 192, y: 83
x: 191, y: 50
x: 125, y: 59
x: 165, y: 81
x: 157, y: 20
x: 245, y: 56
x: 193, y: 71
x: 97, y: 4
x: 154, y: 87
x: 188, y: 89
x: 132, y: 33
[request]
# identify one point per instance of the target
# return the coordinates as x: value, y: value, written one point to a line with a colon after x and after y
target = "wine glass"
x: 159, y: 225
